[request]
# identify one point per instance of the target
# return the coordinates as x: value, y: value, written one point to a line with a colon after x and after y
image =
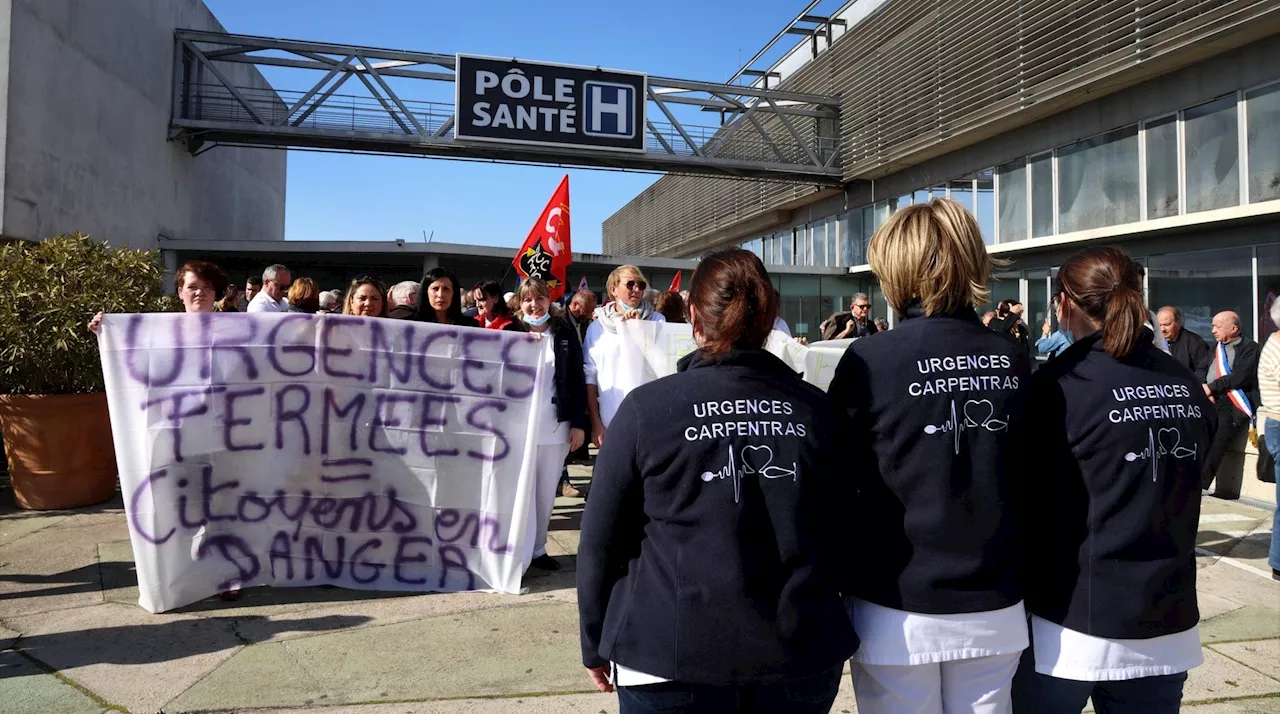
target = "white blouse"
x: 896, y: 637
x: 601, y: 350
x: 1067, y: 654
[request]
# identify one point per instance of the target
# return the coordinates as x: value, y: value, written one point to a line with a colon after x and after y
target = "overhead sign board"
x: 521, y: 102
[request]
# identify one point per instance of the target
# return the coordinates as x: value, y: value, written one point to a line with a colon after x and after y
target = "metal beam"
x: 697, y: 151
x: 769, y: 45
x: 387, y: 88
x: 818, y: 99
x: 314, y: 64
x: 226, y: 83
x: 442, y: 60
x: 332, y: 73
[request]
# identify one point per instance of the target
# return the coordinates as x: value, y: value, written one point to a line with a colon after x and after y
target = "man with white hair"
x: 1233, y: 387
x: 330, y: 302
x: 402, y: 300
x: 276, y: 280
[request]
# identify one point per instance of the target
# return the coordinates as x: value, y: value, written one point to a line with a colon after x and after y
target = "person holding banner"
x: 366, y: 297
x: 938, y: 598
x: 440, y: 300
x: 1121, y: 431
x: 1233, y: 386
x: 198, y: 284
x: 710, y: 552
x: 566, y: 399
x: 605, y: 388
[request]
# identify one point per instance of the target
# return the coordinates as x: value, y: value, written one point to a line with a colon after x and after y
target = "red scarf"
x: 499, y: 322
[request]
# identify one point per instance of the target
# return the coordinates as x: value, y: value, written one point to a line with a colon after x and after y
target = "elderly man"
x: 1188, y: 348
x: 402, y: 300
x: 1233, y: 386
x: 855, y: 323
x: 275, y: 287
x: 330, y: 302
x: 581, y: 309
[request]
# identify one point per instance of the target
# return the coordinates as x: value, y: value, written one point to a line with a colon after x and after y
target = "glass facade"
x: 1098, y: 182
x: 1264, y: 143
x: 1203, y: 284
x: 1042, y: 213
x: 1012, y: 194
x: 1161, y: 138
x: 1212, y: 155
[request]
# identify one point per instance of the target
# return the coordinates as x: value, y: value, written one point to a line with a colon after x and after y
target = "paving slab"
x: 1245, y: 587
x: 27, y: 689
x: 1248, y: 623
x: 517, y: 650
x: 14, y: 529
x: 1261, y: 655
x: 1212, y: 606
x: 1261, y: 705
x: 54, y: 569
x: 1223, y: 678
x: 125, y: 654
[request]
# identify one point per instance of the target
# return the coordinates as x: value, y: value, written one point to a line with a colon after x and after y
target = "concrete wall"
x: 86, y: 123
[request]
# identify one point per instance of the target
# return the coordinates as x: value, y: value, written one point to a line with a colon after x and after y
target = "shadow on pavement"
x: 164, y: 642
x: 9, y: 508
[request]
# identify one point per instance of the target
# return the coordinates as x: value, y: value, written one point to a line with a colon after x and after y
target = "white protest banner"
x: 654, y: 349
x: 296, y: 449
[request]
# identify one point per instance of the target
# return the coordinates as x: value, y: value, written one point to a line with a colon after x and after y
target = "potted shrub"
x: 53, y: 410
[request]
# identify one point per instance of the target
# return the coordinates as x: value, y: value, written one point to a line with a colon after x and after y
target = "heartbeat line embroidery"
x: 1166, y: 442
x: 754, y: 460
x: 977, y: 413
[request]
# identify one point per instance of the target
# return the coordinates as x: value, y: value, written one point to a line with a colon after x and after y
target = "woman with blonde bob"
x: 938, y: 602
x: 602, y: 346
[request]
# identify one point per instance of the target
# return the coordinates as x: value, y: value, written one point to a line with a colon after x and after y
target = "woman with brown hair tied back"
x: 1121, y: 430
x: 938, y: 599
x: 707, y: 570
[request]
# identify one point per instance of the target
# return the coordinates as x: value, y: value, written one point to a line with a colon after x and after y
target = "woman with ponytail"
x: 1121, y: 431
x: 707, y: 568
x: 931, y: 405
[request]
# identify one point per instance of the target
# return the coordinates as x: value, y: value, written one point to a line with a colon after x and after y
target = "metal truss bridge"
x: 388, y: 108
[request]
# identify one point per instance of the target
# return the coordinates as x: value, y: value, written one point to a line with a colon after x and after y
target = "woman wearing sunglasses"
x: 603, y: 348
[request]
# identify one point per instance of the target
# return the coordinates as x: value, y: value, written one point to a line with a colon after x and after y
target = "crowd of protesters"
x: 715, y: 572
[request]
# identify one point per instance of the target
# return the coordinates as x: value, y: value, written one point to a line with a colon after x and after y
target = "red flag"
x: 675, y: 282
x: 546, y: 253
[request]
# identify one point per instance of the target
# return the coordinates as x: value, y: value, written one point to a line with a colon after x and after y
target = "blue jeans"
x: 1035, y: 693
x: 1272, y: 434
x: 810, y: 695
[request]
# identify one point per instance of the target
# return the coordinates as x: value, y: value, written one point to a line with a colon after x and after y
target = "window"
x: 1203, y: 284
x: 986, y: 204
x: 851, y: 237
x: 1013, y: 201
x: 802, y: 245
x: 1161, y: 136
x: 1268, y: 287
x: 818, y: 243
x: 1263, y: 106
x: 903, y: 201
x: 1098, y: 181
x: 784, y: 247
x: 1212, y: 155
x: 920, y: 196
x: 962, y: 193
x: 832, y: 246
x: 878, y: 217
x: 1041, y: 168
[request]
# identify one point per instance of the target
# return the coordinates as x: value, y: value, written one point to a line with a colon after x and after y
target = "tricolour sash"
x: 1237, y: 396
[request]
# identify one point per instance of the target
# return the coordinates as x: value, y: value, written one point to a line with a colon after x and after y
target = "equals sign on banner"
x: 339, y: 470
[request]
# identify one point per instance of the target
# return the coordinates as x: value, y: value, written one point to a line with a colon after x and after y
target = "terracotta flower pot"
x: 59, y: 448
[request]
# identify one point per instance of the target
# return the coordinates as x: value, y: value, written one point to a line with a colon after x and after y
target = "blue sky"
x: 342, y: 197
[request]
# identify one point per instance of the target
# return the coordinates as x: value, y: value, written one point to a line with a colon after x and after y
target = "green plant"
x: 48, y: 292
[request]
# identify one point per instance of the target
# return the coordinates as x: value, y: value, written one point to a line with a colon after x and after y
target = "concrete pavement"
x: 74, y: 641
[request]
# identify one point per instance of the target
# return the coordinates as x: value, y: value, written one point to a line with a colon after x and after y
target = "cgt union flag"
x: 546, y: 253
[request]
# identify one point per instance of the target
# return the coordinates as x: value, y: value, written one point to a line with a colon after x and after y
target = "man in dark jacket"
x: 1233, y: 386
x: 1188, y: 348
x: 855, y: 323
x: 402, y: 300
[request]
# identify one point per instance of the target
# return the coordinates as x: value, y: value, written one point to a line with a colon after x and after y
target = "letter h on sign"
x: 610, y: 110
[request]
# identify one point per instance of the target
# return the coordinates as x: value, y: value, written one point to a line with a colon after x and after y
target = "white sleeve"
x: 256, y: 305
x: 594, y: 330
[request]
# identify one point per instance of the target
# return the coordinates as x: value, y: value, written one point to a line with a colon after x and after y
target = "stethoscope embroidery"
x: 1165, y: 442
x: 755, y: 459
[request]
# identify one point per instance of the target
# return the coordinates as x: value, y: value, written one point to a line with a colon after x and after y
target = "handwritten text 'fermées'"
x: 311, y: 375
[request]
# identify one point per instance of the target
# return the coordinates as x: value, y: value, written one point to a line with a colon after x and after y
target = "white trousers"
x: 982, y: 685
x: 549, y: 466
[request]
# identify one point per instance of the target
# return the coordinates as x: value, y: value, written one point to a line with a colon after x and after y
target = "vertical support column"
x: 170, y: 267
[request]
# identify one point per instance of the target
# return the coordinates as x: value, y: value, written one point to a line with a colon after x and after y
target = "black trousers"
x: 1228, y: 429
